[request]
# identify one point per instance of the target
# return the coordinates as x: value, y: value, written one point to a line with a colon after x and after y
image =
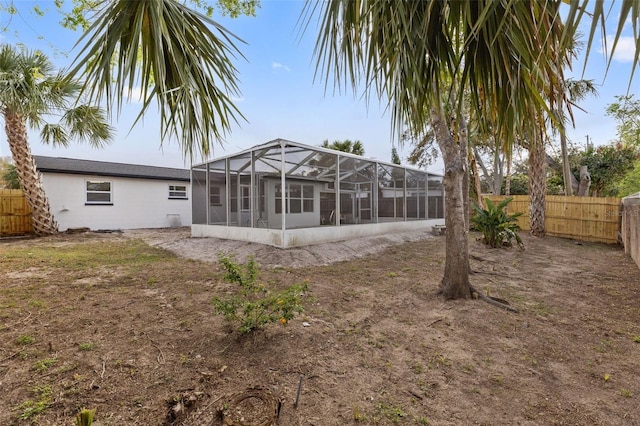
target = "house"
x: 287, y: 194
x: 108, y: 196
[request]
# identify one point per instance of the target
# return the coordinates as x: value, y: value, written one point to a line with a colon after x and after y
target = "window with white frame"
x: 214, y: 196
x: 299, y: 198
x: 178, y: 192
x: 99, y: 192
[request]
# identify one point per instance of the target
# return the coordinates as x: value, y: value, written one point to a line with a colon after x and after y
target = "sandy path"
x: 179, y: 241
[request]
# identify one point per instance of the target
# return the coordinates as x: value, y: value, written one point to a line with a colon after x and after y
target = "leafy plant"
x: 32, y: 408
x: 87, y: 346
x: 255, y: 304
x: 44, y: 364
x: 392, y: 412
x: 10, y: 176
x: 85, y: 417
x: 497, y: 227
x: 25, y: 339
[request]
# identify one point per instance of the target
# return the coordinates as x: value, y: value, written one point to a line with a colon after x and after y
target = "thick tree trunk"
x: 537, y: 184
x: 566, y: 170
x: 41, y: 217
x: 585, y: 182
x: 455, y: 283
x: 559, y: 167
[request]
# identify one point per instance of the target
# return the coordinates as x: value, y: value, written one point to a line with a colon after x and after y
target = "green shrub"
x: 256, y: 304
x: 497, y: 227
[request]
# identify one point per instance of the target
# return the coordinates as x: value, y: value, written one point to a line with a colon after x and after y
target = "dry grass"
x: 111, y: 323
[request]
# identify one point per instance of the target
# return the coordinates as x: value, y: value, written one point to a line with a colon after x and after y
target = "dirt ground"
x: 123, y: 323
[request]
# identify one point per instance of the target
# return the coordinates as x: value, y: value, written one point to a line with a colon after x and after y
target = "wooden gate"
x: 15, y: 215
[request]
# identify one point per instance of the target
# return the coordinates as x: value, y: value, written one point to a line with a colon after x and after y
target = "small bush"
x: 497, y: 227
x: 255, y: 304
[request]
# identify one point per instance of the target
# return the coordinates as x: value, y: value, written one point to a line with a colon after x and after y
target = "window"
x: 214, y: 196
x: 245, y: 194
x: 299, y: 198
x: 99, y: 192
x: 178, y: 192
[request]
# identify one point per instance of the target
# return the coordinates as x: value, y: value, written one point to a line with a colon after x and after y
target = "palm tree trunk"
x: 455, y: 283
x: 507, y: 182
x: 566, y: 171
x: 477, y: 185
x: 537, y: 184
x: 496, y: 182
x: 41, y: 217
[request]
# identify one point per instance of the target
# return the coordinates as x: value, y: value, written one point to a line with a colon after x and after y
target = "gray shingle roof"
x: 102, y: 168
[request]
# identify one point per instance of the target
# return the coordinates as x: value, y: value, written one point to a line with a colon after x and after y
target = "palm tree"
x: 30, y: 90
x: 352, y: 147
x: 167, y: 50
x: 577, y: 90
x: 408, y: 50
x: 507, y: 54
x: 405, y: 50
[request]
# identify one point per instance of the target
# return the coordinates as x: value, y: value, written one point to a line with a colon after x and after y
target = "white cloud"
x: 625, y: 49
x: 236, y: 99
x: 279, y: 66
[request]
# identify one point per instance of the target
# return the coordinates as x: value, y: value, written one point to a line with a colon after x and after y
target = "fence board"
x: 15, y: 215
x: 581, y: 218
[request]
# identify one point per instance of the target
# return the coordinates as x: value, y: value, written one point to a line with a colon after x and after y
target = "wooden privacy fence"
x: 15, y: 215
x: 631, y: 226
x: 580, y: 218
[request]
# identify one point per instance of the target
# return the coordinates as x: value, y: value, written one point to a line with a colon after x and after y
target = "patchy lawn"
x: 111, y: 323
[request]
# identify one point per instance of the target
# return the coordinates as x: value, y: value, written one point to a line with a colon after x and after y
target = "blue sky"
x: 279, y: 95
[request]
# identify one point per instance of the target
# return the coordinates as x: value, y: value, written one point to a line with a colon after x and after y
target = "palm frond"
x: 88, y: 124
x: 184, y: 66
x: 54, y: 134
x: 411, y: 53
x: 31, y: 88
x: 598, y: 11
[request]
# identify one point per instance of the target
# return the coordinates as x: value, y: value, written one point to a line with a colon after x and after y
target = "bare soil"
x: 123, y: 323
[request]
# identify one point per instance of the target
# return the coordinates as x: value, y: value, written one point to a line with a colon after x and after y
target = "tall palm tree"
x: 30, y: 89
x: 577, y: 90
x: 408, y: 50
x: 507, y: 54
x: 405, y: 50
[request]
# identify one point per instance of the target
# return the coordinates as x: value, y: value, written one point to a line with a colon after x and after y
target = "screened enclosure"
x: 288, y: 194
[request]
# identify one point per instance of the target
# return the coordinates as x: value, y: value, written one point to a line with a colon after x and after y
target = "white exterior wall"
x: 137, y: 203
x: 297, y: 220
x: 310, y: 236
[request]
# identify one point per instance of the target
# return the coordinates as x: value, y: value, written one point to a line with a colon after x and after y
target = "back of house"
x: 109, y: 196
